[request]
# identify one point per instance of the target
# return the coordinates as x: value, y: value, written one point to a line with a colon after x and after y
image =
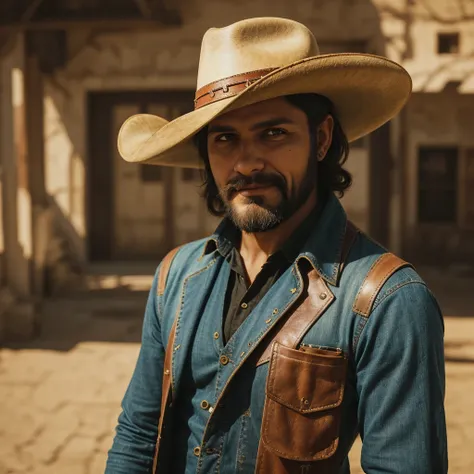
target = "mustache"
x: 265, y: 179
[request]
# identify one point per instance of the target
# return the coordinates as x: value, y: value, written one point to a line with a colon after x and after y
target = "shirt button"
x: 197, y: 451
x: 216, y: 335
x: 224, y: 360
x: 205, y: 405
x: 323, y: 296
x: 244, y: 305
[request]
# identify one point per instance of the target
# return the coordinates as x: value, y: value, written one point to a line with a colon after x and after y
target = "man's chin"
x: 253, y: 218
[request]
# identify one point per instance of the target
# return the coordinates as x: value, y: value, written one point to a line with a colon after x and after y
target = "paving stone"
x: 97, y: 465
x: 55, y: 436
x: 78, y: 451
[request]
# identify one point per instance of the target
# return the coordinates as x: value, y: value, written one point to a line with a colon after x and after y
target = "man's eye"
x: 224, y: 138
x: 275, y: 132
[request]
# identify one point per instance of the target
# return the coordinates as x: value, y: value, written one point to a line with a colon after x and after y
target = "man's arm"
x: 134, y: 444
x: 401, y: 383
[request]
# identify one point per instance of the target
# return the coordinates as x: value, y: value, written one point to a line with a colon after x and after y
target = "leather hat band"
x: 227, y: 87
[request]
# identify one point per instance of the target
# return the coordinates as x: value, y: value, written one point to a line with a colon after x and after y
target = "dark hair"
x: 332, y: 177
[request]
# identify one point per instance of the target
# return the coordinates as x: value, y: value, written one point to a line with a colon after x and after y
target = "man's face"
x: 260, y: 158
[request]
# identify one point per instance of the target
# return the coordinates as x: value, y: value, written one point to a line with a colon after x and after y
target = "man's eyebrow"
x: 220, y: 129
x: 257, y: 126
x: 272, y: 123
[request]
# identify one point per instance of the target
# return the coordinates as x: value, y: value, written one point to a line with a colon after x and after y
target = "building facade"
x: 73, y: 72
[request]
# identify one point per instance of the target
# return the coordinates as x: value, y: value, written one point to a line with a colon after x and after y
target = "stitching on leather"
x: 275, y: 397
x: 318, y: 408
x: 377, y: 289
x: 365, y: 311
x: 269, y: 409
x: 323, y: 454
x: 354, y: 307
x: 208, y: 86
x: 319, y: 312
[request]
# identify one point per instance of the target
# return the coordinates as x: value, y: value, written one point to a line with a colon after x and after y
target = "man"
x: 269, y: 346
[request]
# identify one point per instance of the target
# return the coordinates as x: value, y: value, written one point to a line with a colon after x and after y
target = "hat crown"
x: 250, y: 45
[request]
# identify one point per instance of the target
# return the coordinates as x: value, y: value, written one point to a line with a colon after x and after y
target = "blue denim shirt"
x: 395, y: 385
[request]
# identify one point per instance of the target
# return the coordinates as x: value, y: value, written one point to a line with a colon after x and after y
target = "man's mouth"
x: 253, y: 189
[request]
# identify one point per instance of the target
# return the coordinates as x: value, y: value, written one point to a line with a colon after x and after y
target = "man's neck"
x: 257, y: 247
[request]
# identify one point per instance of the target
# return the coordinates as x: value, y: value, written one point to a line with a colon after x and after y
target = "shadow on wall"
x: 425, y: 10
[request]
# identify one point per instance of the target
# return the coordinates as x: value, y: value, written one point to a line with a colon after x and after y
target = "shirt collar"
x: 322, y: 248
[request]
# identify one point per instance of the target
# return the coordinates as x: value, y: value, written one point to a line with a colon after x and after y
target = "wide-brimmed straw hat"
x: 263, y: 58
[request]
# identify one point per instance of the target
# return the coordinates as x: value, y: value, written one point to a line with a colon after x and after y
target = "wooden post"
x: 380, y: 167
x: 17, y: 203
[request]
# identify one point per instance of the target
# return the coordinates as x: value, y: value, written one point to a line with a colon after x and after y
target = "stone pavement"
x: 60, y: 395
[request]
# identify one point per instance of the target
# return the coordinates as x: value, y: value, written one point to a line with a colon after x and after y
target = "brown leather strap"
x: 164, y: 269
x: 165, y: 390
x: 166, y: 382
x: 227, y: 87
x: 305, y: 315
x: 319, y: 297
x: 383, y: 268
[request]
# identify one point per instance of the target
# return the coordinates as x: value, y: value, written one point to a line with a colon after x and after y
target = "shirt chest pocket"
x: 302, y: 413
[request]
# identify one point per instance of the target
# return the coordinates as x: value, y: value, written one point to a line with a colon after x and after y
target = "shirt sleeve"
x: 401, y: 385
x: 134, y: 443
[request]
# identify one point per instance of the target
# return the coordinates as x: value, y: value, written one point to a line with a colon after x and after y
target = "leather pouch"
x: 304, y: 393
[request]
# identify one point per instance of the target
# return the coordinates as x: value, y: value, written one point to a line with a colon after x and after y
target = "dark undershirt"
x: 241, y: 297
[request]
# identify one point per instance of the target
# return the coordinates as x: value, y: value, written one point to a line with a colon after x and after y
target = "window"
x: 151, y: 173
x: 437, y: 184
x: 190, y: 174
x: 448, y: 43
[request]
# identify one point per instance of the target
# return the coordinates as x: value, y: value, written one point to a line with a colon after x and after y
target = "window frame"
x: 443, y: 35
x: 463, y: 189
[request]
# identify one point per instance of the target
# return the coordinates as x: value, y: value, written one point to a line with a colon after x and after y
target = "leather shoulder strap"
x: 166, y: 382
x: 383, y: 268
x: 290, y: 332
x: 164, y: 270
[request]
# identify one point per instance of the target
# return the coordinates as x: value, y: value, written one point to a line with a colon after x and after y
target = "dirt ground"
x: 60, y: 394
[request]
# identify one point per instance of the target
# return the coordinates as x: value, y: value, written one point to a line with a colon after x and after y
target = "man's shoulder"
x: 190, y: 249
x: 363, y: 260
x: 185, y: 260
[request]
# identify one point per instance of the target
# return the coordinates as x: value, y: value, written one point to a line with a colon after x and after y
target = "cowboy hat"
x: 263, y: 58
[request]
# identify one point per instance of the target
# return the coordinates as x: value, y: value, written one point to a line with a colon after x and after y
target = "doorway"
x: 135, y: 211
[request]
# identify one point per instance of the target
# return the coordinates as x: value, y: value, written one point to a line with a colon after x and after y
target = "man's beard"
x: 259, y: 217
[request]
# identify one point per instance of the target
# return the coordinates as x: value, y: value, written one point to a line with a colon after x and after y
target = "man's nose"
x: 249, y: 160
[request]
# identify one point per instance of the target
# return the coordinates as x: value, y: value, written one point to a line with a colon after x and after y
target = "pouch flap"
x: 306, y: 381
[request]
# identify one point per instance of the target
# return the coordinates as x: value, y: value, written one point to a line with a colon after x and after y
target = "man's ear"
x: 324, y: 136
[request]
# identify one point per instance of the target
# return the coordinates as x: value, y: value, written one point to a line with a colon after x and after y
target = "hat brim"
x: 366, y: 90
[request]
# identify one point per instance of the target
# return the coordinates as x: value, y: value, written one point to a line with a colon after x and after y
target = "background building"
x: 72, y: 71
